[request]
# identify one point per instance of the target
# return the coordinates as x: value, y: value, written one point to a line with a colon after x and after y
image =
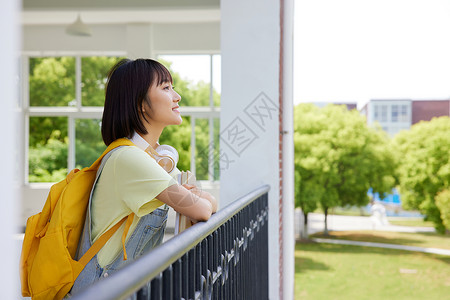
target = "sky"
x: 197, y: 66
x: 357, y: 50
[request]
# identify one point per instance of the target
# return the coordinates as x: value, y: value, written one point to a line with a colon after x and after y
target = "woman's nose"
x: 176, y: 97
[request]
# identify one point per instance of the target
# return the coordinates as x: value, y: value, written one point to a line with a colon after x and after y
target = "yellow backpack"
x: 47, y: 266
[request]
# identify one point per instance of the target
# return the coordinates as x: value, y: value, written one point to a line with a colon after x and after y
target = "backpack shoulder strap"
x: 101, y: 241
x: 113, y: 145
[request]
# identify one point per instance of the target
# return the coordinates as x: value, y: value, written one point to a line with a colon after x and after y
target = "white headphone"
x: 166, y: 156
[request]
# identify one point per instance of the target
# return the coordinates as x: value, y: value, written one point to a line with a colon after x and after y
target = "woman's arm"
x: 205, y: 195
x: 190, y: 203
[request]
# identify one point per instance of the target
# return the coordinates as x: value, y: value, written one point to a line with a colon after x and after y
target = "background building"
x: 396, y: 115
x: 426, y: 110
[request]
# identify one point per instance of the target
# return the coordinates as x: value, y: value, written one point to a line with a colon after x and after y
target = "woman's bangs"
x: 163, y: 74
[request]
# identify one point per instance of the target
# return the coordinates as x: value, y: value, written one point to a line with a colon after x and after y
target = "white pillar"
x: 9, y: 60
x: 288, y: 151
x: 249, y: 118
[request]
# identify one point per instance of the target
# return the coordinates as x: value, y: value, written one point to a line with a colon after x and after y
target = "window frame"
x: 78, y: 111
x: 395, y: 113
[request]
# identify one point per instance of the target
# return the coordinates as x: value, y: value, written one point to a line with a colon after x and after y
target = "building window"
x: 63, y: 104
x: 376, y: 112
x: 394, y: 113
x: 384, y: 113
x: 403, y: 116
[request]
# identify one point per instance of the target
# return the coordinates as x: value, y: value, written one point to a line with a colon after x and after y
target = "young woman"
x: 140, y: 102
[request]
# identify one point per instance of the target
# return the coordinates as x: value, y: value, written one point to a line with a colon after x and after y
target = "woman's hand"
x: 189, y: 201
x: 202, y: 194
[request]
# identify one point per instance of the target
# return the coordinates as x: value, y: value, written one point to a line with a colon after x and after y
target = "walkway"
x: 344, y: 223
x: 349, y: 223
x: 383, y: 245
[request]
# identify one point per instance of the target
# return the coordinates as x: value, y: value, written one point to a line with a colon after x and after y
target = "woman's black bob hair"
x: 126, y: 89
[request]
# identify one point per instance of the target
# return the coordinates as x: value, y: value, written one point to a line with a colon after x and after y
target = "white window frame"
x: 403, y: 113
x: 78, y: 111
x: 395, y: 111
x: 71, y: 112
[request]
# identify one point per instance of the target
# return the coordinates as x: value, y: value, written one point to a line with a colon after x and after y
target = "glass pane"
x: 383, y: 113
x: 394, y: 113
x: 218, y: 156
x: 88, y: 142
x: 48, y: 145
x: 202, y: 149
x: 217, y: 79
x: 52, y: 81
x: 191, y: 77
x: 94, y: 72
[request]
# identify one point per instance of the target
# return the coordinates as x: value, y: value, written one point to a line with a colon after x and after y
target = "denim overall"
x: 148, y: 234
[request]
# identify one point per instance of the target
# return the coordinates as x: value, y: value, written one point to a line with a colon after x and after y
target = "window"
x: 394, y: 113
x: 376, y: 112
x: 403, y: 117
x: 380, y: 113
x: 197, y: 80
x: 384, y: 113
x: 63, y: 106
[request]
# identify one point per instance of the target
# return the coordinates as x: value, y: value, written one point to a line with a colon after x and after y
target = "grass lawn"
x: 416, y: 222
x: 425, y: 239
x: 327, y: 271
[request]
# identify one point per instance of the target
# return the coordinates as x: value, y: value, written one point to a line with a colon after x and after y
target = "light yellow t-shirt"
x: 130, y: 181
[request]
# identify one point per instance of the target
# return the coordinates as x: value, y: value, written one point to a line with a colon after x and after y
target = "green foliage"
x: 425, y: 166
x: 443, y: 203
x: 48, y: 162
x: 338, y: 158
x: 94, y: 71
x: 52, y: 81
x: 88, y: 143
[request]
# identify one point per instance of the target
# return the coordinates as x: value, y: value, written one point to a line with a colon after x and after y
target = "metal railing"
x: 224, y: 258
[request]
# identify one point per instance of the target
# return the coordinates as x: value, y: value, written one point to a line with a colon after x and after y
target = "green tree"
x: 94, y: 71
x: 52, y: 83
x: 425, y: 166
x: 443, y: 203
x: 338, y: 158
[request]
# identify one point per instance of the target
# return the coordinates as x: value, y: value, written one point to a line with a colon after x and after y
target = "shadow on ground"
x: 355, y: 250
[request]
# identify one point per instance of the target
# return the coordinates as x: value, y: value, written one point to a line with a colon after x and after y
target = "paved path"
x: 383, y: 245
x: 349, y: 223
x: 345, y: 223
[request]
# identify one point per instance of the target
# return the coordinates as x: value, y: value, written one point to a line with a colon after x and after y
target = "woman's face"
x: 164, y: 105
